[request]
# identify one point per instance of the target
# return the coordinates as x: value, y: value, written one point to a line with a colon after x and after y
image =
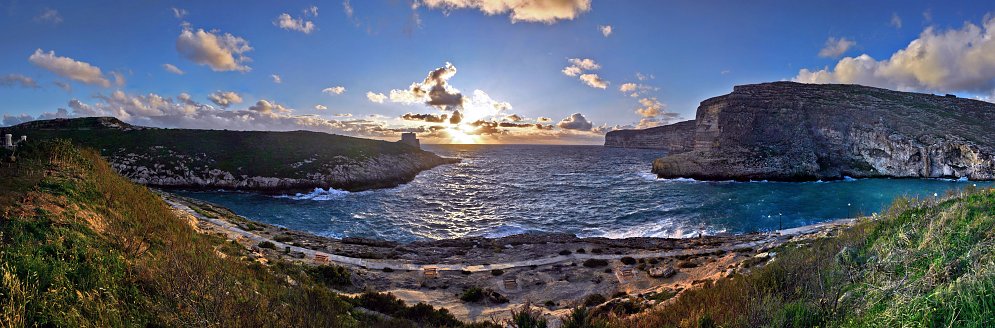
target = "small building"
x: 8, y: 141
x: 410, y: 139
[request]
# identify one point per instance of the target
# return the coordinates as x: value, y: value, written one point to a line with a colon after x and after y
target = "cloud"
x: 577, y: 121
x: 376, y: 97
x: 896, y: 21
x: 63, y: 85
x: 286, y: 22
x: 939, y: 60
x: 650, y: 107
x: 456, y: 118
x: 586, y: 64
x: 69, y: 68
x: 541, y: 11
x: 572, y: 71
x: 225, y: 98
x: 320, y: 107
x: 172, y: 69
x: 425, y: 117
x: 644, y: 77
x: 59, y: 113
x: 220, y: 52
x: 9, y: 120
x: 836, y: 47
x: 433, y: 91
x: 50, y: 16
x: 119, y: 79
x: 514, y: 118
x: 266, y: 107
x: 594, y: 81
x: 179, y: 12
x: 11, y: 80
x: 544, y: 119
x: 276, y: 78
x: 334, y: 90
x: 342, y: 115
x: 606, y: 30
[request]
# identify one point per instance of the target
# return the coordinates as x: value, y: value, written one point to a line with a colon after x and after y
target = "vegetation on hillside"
x: 80, y: 246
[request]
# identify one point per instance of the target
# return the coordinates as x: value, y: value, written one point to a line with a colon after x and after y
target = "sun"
x: 458, y: 136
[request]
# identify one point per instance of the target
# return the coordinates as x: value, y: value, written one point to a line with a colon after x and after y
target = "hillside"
x: 80, y: 246
x: 792, y: 131
x: 239, y: 160
x: 674, y: 138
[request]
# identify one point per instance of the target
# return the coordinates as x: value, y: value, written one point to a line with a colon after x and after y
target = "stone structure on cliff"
x: 410, y: 139
x: 790, y: 131
x: 674, y: 138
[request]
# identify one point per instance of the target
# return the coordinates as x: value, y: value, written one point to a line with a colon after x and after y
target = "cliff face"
x: 674, y: 138
x: 791, y: 131
x: 264, y: 161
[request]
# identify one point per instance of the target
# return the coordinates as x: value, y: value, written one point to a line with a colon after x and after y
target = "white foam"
x: 504, y: 231
x: 318, y: 194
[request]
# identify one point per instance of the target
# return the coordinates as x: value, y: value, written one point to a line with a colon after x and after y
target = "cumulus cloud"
x: 542, y: 11
x: 939, y: 60
x: 836, y: 47
x: 650, y: 107
x: 9, y: 120
x: 220, y: 52
x: 376, y: 97
x: 50, y: 16
x: 11, y: 80
x: 342, y: 115
x: 320, y: 107
x: 266, y: 107
x: 225, y: 98
x: 433, y: 91
x: 606, y: 30
x: 456, y: 118
x: 172, y: 69
x: 586, y: 64
x: 334, y: 90
x: 896, y: 21
x: 577, y: 121
x: 594, y: 81
x: 69, y: 68
x: 635, y: 90
x: 287, y: 22
x: 276, y: 78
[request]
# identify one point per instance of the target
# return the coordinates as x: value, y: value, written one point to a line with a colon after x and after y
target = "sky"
x: 466, y: 71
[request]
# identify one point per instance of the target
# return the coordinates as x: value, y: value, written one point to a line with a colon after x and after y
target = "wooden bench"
x: 320, y: 258
x: 431, y: 272
x: 510, y: 284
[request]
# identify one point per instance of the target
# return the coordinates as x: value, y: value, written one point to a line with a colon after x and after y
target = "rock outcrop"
x: 789, y: 131
x: 674, y: 138
x: 265, y: 161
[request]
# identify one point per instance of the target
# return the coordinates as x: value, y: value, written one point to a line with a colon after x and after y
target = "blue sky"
x: 692, y: 50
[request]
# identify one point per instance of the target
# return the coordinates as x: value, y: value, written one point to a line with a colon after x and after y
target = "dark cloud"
x: 425, y: 117
x: 11, y: 80
x: 456, y: 119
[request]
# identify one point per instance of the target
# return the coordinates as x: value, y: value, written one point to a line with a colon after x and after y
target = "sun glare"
x: 457, y: 136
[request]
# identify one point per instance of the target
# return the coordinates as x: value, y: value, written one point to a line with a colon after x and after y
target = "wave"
x: 318, y: 194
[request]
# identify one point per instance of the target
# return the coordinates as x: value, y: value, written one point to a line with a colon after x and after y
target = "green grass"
x: 83, y: 247
x: 922, y: 264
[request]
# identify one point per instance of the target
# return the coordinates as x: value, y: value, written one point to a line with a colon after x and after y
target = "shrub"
x: 386, y: 269
x: 549, y: 303
x: 497, y: 272
x: 565, y: 252
x: 330, y: 275
x: 472, y: 295
x: 581, y: 251
x: 579, y: 317
x: 628, y: 260
x: 283, y: 238
x: 686, y: 264
x: 267, y: 244
x: 526, y: 317
x: 594, y: 299
x: 595, y: 263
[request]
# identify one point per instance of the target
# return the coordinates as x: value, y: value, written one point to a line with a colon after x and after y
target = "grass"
x: 927, y: 263
x: 83, y: 247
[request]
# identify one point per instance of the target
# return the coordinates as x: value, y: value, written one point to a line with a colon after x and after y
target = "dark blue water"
x: 585, y: 190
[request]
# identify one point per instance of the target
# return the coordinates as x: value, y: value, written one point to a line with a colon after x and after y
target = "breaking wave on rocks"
x: 318, y: 194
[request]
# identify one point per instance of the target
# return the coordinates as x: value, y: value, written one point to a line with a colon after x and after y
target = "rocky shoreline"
x: 556, y: 271
x: 786, y: 131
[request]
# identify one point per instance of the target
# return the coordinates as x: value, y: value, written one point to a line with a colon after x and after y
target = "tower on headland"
x: 410, y: 139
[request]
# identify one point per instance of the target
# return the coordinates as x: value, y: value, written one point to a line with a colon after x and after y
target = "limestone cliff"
x: 791, y: 132
x: 674, y: 138
x: 266, y: 161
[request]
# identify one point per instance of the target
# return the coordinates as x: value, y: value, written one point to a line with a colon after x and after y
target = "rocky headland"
x: 786, y: 131
x: 674, y: 138
x: 262, y: 161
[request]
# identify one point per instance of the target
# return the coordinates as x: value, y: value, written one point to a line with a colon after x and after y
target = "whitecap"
x: 318, y: 194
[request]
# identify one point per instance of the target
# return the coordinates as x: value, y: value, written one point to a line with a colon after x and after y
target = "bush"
x: 595, y: 263
x: 686, y: 264
x: 330, y: 275
x: 579, y: 317
x: 628, y: 260
x: 565, y: 252
x: 526, y: 317
x: 472, y: 295
x: 267, y: 244
x: 283, y: 238
x: 497, y: 272
x: 594, y: 299
x: 581, y: 251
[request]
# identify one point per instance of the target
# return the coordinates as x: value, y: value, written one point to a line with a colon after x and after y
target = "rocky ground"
x: 480, y: 278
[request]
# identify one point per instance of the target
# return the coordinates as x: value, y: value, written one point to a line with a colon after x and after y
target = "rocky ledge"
x: 262, y: 161
x: 674, y: 138
x: 787, y: 131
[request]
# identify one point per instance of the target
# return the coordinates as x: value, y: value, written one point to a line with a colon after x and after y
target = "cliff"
x: 674, y: 138
x: 791, y: 132
x: 263, y: 161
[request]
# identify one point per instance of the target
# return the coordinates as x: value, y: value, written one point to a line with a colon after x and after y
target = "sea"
x: 589, y: 191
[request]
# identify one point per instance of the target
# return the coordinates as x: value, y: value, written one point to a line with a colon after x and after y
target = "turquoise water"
x: 586, y: 190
